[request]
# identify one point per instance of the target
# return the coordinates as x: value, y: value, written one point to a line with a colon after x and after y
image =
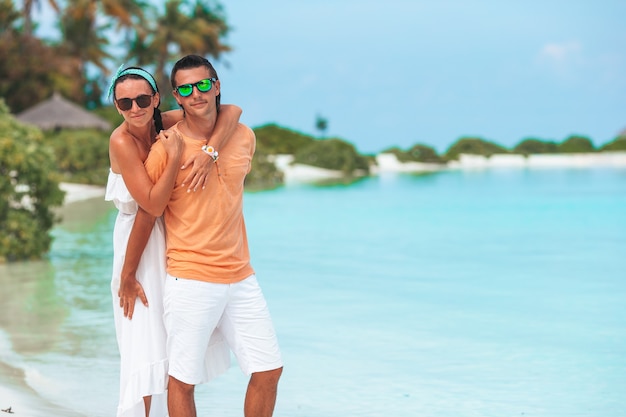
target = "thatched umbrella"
x: 59, y: 113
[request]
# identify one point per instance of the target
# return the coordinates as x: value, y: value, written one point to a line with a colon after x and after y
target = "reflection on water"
x: 34, y: 309
x: 51, y: 304
x: 83, y: 216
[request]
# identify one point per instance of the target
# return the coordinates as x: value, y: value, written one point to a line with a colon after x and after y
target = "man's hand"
x: 129, y: 290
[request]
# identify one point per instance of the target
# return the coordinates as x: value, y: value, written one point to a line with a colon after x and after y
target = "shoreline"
x: 78, y: 192
x: 22, y: 400
x: 27, y: 403
x: 388, y: 163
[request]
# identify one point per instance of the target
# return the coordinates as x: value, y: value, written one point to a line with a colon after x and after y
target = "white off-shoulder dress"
x: 142, y: 340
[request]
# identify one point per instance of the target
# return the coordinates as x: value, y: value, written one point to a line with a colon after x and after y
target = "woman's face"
x: 130, y: 96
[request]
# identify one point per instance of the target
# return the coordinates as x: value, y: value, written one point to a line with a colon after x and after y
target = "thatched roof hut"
x: 59, y: 113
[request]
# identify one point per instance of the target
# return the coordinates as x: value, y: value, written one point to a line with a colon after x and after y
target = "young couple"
x: 183, y: 299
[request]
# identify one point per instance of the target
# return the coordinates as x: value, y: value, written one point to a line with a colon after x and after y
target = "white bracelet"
x: 210, y: 150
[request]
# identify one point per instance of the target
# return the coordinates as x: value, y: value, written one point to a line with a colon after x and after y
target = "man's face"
x: 198, y: 103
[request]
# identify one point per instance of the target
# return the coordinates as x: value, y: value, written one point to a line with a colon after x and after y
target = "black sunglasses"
x: 142, y: 101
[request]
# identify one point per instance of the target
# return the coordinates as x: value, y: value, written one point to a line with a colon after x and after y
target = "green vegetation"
x: 576, y: 144
x: 535, y: 146
x: 29, y: 188
x: 263, y: 175
x: 82, y: 156
x: 334, y: 154
x: 417, y: 153
x: 274, y: 139
x: 154, y: 35
x: 619, y: 144
x: 475, y: 146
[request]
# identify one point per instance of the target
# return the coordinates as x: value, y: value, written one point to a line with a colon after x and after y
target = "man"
x: 210, y: 283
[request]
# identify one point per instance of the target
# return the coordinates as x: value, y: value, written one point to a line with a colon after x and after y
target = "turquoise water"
x: 476, y: 293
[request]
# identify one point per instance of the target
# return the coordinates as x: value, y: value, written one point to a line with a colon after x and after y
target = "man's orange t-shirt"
x: 205, y: 230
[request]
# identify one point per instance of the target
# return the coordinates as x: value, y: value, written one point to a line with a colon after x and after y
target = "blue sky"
x: 402, y: 72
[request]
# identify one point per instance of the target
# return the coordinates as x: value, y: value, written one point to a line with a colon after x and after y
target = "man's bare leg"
x: 261, y: 394
x: 180, y: 399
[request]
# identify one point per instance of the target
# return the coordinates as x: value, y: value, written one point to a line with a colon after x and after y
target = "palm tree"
x: 210, y: 26
x: 127, y: 13
x: 83, y: 38
x: 27, y: 12
x: 321, y: 124
x: 8, y: 16
x: 176, y: 33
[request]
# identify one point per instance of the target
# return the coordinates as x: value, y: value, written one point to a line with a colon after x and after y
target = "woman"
x: 139, y: 267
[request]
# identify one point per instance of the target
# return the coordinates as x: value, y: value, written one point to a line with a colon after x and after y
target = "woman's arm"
x: 150, y: 196
x: 130, y: 288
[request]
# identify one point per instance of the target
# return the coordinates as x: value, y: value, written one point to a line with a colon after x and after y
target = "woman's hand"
x: 200, y: 164
x: 173, y: 143
x: 129, y: 290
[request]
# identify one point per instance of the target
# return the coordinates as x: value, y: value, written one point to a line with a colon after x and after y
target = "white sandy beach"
x: 389, y: 162
x: 78, y: 192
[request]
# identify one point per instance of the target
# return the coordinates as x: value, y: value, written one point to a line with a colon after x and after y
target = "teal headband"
x: 135, y: 71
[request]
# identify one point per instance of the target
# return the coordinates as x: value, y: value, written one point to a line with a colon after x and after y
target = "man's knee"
x: 180, y: 386
x: 268, y: 377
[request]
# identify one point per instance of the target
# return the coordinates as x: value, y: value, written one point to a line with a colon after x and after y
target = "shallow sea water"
x: 461, y: 293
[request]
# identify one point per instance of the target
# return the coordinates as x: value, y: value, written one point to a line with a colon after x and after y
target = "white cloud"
x: 560, y: 53
x: 564, y: 59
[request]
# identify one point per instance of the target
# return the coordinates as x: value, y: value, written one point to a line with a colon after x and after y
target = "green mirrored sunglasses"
x: 203, y: 86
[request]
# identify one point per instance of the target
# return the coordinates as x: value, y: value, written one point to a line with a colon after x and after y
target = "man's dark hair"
x: 194, y: 61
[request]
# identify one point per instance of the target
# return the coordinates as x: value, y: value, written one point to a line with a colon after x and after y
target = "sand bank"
x: 299, y: 173
x: 576, y: 160
x: 78, y: 192
x: 389, y: 162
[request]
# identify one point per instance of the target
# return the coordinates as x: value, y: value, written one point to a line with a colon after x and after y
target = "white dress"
x: 142, y: 340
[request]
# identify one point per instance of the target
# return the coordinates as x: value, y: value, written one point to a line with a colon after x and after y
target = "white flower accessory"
x: 210, y: 150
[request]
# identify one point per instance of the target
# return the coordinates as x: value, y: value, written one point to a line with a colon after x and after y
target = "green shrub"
x: 263, y: 175
x: 29, y: 188
x: 475, y: 146
x: 82, y: 155
x: 575, y: 144
x: 334, y: 154
x: 417, y: 153
x: 274, y: 139
x: 618, y: 144
x: 534, y: 146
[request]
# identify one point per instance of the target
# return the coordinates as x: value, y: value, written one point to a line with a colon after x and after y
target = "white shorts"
x: 194, y: 309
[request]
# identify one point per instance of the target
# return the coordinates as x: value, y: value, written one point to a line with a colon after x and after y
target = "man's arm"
x: 225, y: 126
x: 130, y: 288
